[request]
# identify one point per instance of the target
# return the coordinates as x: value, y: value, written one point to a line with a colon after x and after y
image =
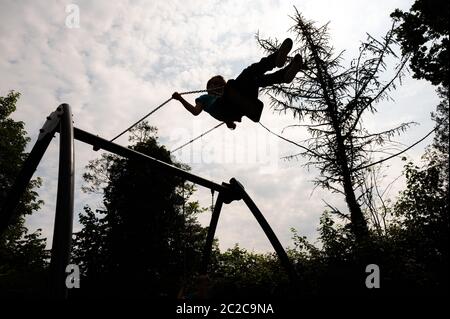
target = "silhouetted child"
x: 217, y: 102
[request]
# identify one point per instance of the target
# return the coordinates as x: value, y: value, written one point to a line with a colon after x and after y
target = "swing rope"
x: 196, y: 138
x: 153, y: 111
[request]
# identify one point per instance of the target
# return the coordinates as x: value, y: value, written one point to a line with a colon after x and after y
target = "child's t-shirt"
x: 212, y: 106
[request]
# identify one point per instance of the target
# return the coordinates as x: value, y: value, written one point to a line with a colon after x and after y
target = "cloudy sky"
x: 117, y: 60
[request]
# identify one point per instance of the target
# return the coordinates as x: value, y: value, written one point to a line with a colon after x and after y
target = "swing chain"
x: 153, y: 111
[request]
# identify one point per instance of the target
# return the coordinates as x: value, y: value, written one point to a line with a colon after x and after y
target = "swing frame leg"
x: 211, y: 232
x: 239, y: 193
x: 22, y: 181
x: 59, y: 121
x: 282, y: 255
x: 62, y: 233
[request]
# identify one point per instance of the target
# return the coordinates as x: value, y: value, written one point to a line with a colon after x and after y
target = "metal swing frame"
x: 61, y: 121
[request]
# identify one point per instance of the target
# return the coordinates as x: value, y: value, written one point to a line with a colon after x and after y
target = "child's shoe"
x: 283, y: 51
x: 293, y: 68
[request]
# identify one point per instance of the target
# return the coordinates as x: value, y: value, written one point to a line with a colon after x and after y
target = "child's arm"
x: 195, y: 110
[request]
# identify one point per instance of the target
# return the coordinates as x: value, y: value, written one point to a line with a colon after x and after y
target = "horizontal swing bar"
x: 106, y: 145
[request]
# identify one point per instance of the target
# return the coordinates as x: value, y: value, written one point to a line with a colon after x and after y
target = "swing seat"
x: 243, y: 105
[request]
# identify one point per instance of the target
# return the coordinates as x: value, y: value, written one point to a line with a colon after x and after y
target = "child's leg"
x: 276, y: 59
x: 285, y: 75
x: 271, y: 78
x: 259, y: 68
x: 247, y: 81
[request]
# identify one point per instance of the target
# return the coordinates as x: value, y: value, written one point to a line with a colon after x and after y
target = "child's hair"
x: 215, y: 85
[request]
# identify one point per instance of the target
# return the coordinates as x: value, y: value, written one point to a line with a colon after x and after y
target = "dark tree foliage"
x: 423, y: 220
x: 243, y: 274
x: 146, y: 241
x: 21, y: 253
x: 440, y: 145
x: 334, y: 99
x: 422, y: 209
x: 424, y: 33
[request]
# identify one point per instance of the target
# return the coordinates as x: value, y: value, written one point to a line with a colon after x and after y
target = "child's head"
x: 216, y: 85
